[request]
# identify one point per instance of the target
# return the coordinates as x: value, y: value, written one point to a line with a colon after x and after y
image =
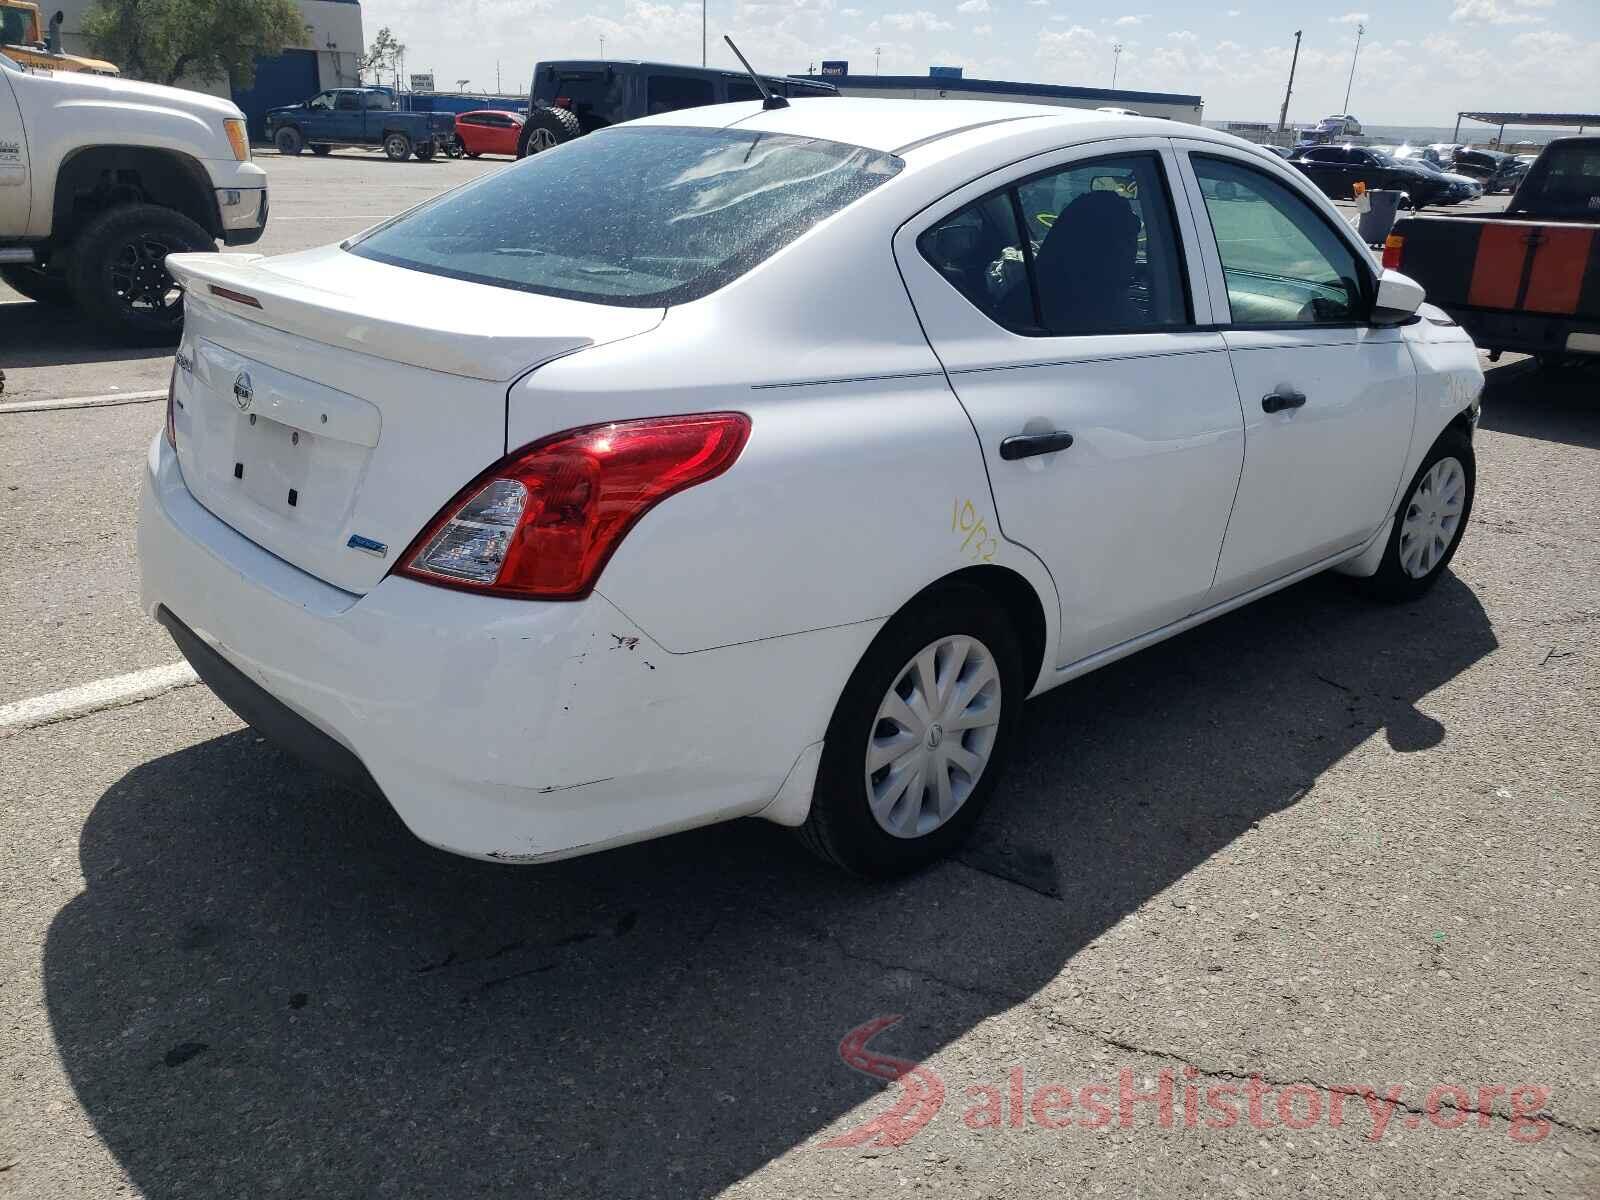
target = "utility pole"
x: 602, y: 47
x: 1345, y: 112
x: 702, y: 32
x: 1283, y: 113
x: 1116, y: 54
x: 877, y: 60
x: 497, y: 90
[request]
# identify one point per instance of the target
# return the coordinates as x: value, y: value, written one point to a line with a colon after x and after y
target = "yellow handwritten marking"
x: 979, y: 544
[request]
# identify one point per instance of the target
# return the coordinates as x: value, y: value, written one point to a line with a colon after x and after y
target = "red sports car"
x: 489, y: 131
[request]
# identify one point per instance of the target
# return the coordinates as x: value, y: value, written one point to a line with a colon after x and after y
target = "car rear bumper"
x: 509, y: 730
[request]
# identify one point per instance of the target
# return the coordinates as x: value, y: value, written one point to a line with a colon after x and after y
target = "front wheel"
x: 424, y: 152
x: 919, y: 736
x: 1431, y: 520
x: 321, y: 151
x: 119, y: 275
x: 288, y: 140
x: 397, y: 146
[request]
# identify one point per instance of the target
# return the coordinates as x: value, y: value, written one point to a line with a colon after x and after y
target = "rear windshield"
x: 1565, y: 182
x: 633, y: 217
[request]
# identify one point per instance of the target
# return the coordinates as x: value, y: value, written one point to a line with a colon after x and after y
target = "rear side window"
x: 1282, y: 262
x: 633, y: 217
x: 1089, y: 248
x: 1566, y: 182
x: 667, y: 93
x: 348, y: 102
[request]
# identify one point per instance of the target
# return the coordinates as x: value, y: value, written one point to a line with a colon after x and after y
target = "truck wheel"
x: 397, y: 146
x: 547, y: 128
x: 119, y: 275
x: 425, y: 152
x: 38, y: 283
x: 289, y: 140
x: 321, y: 150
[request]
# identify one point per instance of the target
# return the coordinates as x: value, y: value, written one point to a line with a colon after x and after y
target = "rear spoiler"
x: 475, y: 340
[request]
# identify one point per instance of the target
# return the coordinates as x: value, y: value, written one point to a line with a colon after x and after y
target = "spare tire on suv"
x: 545, y: 129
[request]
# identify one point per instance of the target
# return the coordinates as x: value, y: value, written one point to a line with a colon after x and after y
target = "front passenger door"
x: 1057, y: 295
x: 1329, y: 398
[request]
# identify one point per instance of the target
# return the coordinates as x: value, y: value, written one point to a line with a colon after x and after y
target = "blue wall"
x: 287, y: 79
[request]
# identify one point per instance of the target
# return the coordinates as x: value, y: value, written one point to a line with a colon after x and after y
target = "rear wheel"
x: 397, y: 146
x: 46, y: 284
x: 288, y: 140
x: 547, y: 128
x: 919, y: 736
x: 424, y: 152
x: 1431, y: 520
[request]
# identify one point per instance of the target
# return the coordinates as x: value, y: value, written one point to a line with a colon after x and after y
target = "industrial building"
x: 328, y: 57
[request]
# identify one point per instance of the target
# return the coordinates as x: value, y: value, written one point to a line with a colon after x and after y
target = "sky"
x: 1421, y: 60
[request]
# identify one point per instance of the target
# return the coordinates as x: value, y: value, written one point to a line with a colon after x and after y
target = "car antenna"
x: 768, y: 100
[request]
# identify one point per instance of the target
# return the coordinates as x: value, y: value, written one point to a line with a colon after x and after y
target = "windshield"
x: 16, y: 26
x: 633, y: 217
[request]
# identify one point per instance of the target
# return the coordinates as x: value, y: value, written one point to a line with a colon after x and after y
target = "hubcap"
x: 1433, y: 516
x: 139, y: 276
x: 933, y: 736
x: 542, y: 139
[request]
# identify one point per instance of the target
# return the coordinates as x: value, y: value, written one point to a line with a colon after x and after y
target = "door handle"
x: 1278, y: 401
x: 1026, y: 445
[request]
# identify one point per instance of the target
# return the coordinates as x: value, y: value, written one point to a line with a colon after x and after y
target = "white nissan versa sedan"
x: 762, y: 462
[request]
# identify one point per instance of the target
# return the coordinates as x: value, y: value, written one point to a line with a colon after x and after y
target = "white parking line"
x: 93, y: 697
x: 105, y: 401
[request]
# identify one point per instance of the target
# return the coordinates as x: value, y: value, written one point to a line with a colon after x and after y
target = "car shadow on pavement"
x: 268, y: 986
x: 1555, y: 406
x: 47, y: 335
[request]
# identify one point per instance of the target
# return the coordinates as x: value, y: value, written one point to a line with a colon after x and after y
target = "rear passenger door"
x: 1329, y: 398
x: 1057, y: 293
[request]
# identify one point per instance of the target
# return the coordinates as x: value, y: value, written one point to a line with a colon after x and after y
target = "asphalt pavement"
x: 1328, y: 865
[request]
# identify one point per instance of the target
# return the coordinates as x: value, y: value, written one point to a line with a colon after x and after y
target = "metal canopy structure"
x: 1502, y: 119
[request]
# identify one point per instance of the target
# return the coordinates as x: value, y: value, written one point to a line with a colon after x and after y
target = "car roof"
x: 898, y: 126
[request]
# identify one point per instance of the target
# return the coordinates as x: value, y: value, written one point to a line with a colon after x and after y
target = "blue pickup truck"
x: 359, y: 117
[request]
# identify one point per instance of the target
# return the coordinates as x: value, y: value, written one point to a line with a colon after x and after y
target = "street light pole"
x: 1360, y: 29
x: 702, y: 32
x: 1116, y: 54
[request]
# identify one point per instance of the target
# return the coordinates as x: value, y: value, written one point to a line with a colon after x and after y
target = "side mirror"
x: 1399, y: 297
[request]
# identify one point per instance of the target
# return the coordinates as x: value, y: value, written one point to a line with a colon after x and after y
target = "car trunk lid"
x: 329, y: 406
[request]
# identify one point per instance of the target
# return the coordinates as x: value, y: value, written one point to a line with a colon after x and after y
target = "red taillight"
x: 542, y: 522
x: 172, y: 416
x: 1393, y: 251
x: 563, y: 101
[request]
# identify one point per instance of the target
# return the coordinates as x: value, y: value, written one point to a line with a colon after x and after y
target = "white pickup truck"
x: 101, y: 178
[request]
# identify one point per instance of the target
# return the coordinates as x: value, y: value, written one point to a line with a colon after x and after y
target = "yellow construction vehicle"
x: 23, y: 41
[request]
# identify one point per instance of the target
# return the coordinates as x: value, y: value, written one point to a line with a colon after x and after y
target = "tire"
x: 38, y: 283
x: 545, y: 129
x: 424, y: 152
x: 397, y: 146
x: 119, y: 277
x: 474, y: 153
x: 1428, y: 495
x: 288, y: 140
x: 322, y: 151
x: 842, y: 827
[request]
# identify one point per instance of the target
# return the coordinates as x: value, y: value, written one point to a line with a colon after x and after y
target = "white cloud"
x: 849, y: 12
x: 920, y: 21
x: 982, y: 30
x: 973, y: 6
x: 1139, y: 20
x: 1489, y: 12
x: 1181, y: 35
x: 1355, y: 18
x: 1234, y: 12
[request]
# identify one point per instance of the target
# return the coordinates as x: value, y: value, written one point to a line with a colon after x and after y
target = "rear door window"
x: 1089, y: 248
x: 701, y: 207
x: 668, y: 93
x: 348, y: 102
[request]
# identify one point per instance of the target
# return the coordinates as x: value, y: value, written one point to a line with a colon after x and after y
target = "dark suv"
x: 573, y: 97
x: 1496, y: 171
